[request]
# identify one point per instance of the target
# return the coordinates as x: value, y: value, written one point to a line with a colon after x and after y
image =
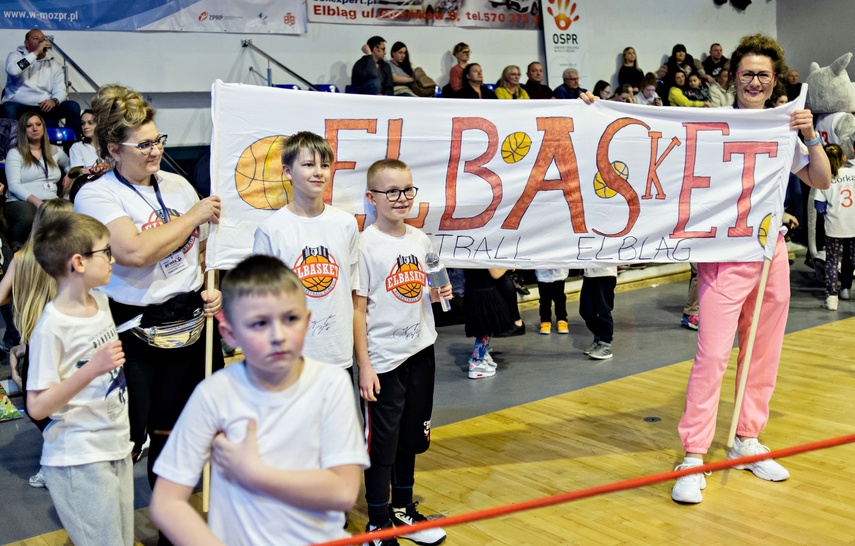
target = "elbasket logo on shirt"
x: 406, y: 279
x: 155, y: 219
x: 318, y: 271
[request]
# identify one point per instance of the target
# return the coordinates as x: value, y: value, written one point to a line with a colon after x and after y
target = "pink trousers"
x: 727, y: 294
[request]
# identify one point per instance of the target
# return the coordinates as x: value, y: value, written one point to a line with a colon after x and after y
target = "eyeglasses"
x: 395, y: 195
x: 147, y: 146
x: 107, y: 252
x: 746, y: 77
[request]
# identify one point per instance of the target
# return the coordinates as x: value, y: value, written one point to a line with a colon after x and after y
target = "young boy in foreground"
x: 76, y: 379
x: 320, y: 243
x: 281, y: 429
x: 394, y: 335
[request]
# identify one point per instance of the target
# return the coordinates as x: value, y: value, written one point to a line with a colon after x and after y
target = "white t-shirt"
x: 608, y: 271
x: 82, y: 155
x: 324, y: 252
x: 392, y: 277
x: 840, y: 218
x: 311, y: 425
x: 93, y: 426
x: 107, y: 199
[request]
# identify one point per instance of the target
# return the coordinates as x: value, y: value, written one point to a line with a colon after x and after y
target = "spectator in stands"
x: 34, y: 169
x: 402, y: 70
x: 372, y: 75
x: 648, y: 94
x: 793, y: 86
x: 602, y: 90
x: 629, y: 72
x: 714, y: 63
x: 84, y: 153
x: 35, y: 83
x: 508, y: 86
x: 534, y: 86
x: 461, y: 52
x: 624, y: 94
x: 474, y: 88
x: 679, y: 61
x: 677, y: 93
x: 570, y: 88
x: 695, y: 90
x: 720, y: 89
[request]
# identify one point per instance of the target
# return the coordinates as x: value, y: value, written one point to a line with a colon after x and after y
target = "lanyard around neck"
x: 163, y: 210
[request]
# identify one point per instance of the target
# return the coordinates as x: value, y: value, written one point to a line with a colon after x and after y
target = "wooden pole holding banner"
x: 209, y: 359
x: 749, y: 350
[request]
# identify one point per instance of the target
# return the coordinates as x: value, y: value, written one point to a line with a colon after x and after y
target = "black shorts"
x: 400, y: 418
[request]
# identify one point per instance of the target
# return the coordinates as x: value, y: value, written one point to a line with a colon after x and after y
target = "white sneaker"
x: 688, y: 488
x: 488, y: 361
x: 766, y: 469
x: 831, y: 303
x: 402, y: 517
x: 479, y: 369
x: 844, y: 294
x: 38, y: 480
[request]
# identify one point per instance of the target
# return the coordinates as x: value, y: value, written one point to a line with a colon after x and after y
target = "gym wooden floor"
x: 598, y: 435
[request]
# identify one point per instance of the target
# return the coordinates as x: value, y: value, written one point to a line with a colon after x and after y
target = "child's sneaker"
x: 603, y: 351
x: 688, y: 488
x: 38, y: 480
x: 766, y: 469
x: 844, y: 294
x: 563, y: 327
x: 592, y: 346
x: 545, y: 328
x: 692, y: 322
x: 488, y: 361
x: 407, y: 516
x: 387, y: 542
x: 479, y: 369
x: 831, y: 303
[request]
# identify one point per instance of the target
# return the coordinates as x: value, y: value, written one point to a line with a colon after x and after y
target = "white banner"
x: 526, y: 184
x: 255, y: 16
x: 566, y: 34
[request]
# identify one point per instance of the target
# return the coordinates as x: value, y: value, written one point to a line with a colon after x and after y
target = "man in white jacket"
x: 35, y: 83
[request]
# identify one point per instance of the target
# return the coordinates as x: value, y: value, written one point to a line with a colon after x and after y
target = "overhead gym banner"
x: 525, y: 184
x: 505, y: 14
x: 242, y: 16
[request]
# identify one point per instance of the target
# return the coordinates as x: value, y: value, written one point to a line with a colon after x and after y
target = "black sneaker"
x: 402, y: 517
x: 387, y: 542
x: 514, y: 331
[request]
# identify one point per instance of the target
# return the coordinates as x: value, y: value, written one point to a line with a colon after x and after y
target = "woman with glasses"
x: 461, y: 53
x: 474, y: 87
x: 508, y: 86
x: 728, y: 292
x: 157, y: 230
x: 34, y: 169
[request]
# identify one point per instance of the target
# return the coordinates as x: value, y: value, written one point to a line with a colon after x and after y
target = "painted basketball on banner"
x: 259, y: 179
x: 515, y: 147
x: 600, y: 187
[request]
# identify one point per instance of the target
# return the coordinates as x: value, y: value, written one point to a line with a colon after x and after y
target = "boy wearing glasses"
x: 394, y: 337
x: 76, y: 378
x: 320, y: 243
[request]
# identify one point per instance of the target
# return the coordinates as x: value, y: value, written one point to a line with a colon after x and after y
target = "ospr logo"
x: 406, y: 279
x: 318, y: 271
x: 563, y: 13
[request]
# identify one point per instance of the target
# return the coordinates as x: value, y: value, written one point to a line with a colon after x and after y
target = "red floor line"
x: 632, y: 483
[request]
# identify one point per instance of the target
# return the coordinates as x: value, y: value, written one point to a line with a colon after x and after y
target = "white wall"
x: 175, y: 70
x: 815, y: 31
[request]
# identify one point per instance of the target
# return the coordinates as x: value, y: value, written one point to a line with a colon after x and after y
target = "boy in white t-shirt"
x: 320, y: 243
x: 76, y: 379
x: 394, y: 335
x: 281, y: 429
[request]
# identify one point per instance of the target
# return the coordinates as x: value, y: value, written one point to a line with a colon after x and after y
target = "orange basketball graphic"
x: 413, y: 289
x: 258, y: 175
x: 318, y: 271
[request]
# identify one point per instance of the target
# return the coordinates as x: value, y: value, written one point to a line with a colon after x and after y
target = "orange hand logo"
x: 564, y: 18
